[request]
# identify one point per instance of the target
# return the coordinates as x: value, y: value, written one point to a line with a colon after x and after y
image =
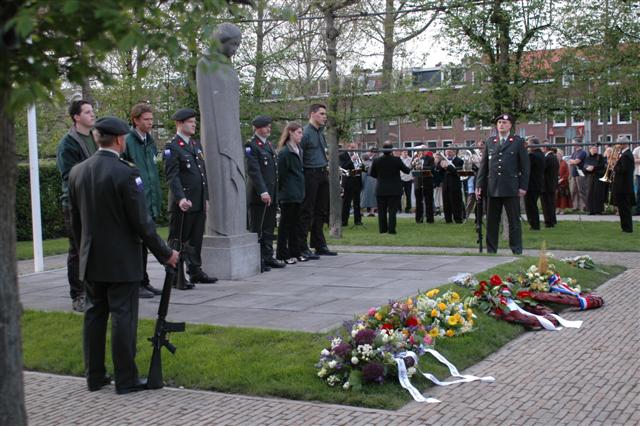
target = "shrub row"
x: 50, y: 192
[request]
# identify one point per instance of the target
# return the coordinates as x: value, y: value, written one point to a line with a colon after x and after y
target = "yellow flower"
x: 470, y: 321
x: 469, y: 313
x: 405, y: 332
x: 455, y: 297
x: 442, y: 306
x: 458, y: 317
x: 450, y: 333
x: 378, y: 316
x: 434, y: 313
x: 409, y: 302
x: 434, y: 332
x: 433, y: 293
x: 452, y: 320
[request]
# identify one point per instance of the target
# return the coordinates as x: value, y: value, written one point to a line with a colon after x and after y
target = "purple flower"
x: 373, y: 372
x: 343, y: 350
x: 365, y: 337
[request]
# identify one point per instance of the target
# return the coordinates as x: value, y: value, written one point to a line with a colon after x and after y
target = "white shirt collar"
x: 110, y: 150
x: 185, y: 138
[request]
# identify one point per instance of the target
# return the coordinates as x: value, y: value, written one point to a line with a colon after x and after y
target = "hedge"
x: 50, y: 192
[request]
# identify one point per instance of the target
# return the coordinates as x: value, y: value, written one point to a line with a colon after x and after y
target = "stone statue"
x: 219, y: 100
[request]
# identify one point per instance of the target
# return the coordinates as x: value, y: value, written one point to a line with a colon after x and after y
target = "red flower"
x: 495, y: 280
x: 483, y: 285
x: 387, y: 326
x: 478, y: 293
x: 524, y: 294
x: 411, y: 322
x: 503, y: 300
x: 499, y: 312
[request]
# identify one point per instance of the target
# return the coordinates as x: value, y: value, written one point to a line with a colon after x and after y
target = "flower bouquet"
x: 444, y: 316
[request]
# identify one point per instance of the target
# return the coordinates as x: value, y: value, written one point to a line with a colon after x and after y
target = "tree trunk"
x: 382, y: 123
x: 258, y: 78
x: 335, y: 204
x: 12, y: 408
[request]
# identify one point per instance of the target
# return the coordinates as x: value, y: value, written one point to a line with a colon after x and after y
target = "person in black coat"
x: 290, y: 193
x: 536, y: 182
x: 111, y: 229
x: 451, y: 191
x: 262, y: 171
x: 423, y: 186
x: 549, y: 186
x: 594, y: 168
x: 622, y: 186
x: 389, y: 188
x: 351, y: 184
x: 188, y: 192
x: 504, y: 178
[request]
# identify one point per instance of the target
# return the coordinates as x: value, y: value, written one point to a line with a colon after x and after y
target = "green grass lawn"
x: 267, y: 362
x: 567, y: 235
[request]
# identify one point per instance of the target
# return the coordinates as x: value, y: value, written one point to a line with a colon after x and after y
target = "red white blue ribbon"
x: 558, y: 286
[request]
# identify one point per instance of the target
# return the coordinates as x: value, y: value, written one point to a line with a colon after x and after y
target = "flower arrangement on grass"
x: 366, y: 349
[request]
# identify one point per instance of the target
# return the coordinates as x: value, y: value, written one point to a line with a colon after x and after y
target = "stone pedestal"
x: 231, y: 258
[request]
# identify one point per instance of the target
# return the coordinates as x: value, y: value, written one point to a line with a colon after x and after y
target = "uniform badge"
x: 259, y: 143
x: 247, y: 150
x: 265, y: 163
x: 139, y: 184
x: 188, y: 165
x: 167, y: 153
x: 181, y: 143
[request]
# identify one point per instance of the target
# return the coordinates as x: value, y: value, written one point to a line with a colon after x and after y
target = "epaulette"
x: 128, y: 163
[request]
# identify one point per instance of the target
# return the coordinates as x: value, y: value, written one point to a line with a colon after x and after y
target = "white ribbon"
x: 546, y: 324
x: 403, y: 378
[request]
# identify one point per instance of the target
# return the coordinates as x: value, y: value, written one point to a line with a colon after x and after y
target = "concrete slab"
x: 311, y: 296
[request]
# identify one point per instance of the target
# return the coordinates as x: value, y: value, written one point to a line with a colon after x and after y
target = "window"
x: 485, y: 125
x: 559, y: 139
x: 431, y: 123
x: 446, y: 143
x: 625, y: 135
x: 371, y: 85
x: 577, y: 116
x: 410, y: 144
x: 469, y: 124
x: 432, y: 144
x: 559, y: 119
x: 624, y: 115
x: 447, y: 124
x: 371, y: 125
x: 469, y: 142
x: 393, y: 123
x: 604, y: 113
x: 567, y: 79
x: 607, y: 140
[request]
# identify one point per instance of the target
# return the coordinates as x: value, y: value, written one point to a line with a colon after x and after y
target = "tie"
x: 503, y: 141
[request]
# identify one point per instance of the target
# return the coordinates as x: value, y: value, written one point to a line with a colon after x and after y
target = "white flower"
x: 353, y: 333
x: 332, y: 364
x: 325, y: 352
x: 322, y: 372
x: 354, y: 360
x: 385, y: 338
x: 346, y: 385
x: 411, y: 371
x: 333, y: 380
x: 335, y: 342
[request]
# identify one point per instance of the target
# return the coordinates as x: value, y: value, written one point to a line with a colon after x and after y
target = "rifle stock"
x: 159, y: 338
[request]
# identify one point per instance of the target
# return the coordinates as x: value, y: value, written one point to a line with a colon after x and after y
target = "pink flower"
x: 372, y: 312
x: 427, y: 340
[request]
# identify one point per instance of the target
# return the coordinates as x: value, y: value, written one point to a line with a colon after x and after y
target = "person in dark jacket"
x: 290, y: 194
x: 262, y: 171
x: 451, y: 191
x: 536, y: 181
x: 141, y: 150
x: 75, y: 147
x: 111, y: 229
x: 594, y: 168
x: 389, y: 189
x: 188, y: 192
x: 351, y: 184
x: 549, y: 186
x: 622, y: 186
x: 504, y: 178
x: 423, y: 186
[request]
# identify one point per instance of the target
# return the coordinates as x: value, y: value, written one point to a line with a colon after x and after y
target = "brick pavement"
x: 584, y: 376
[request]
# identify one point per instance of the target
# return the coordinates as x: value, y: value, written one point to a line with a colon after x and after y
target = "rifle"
x: 479, y: 213
x: 185, y: 250
x: 163, y: 327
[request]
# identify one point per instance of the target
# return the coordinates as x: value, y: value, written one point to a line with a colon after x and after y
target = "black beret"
x: 183, y: 114
x: 261, y: 121
x: 112, y: 126
x: 505, y: 116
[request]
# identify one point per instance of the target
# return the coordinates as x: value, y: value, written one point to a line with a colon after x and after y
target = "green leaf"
x: 70, y: 7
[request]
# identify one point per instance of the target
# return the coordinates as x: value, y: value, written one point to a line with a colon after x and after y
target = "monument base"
x: 231, y: 258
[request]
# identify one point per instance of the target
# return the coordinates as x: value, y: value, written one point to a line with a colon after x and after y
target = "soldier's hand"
x: 522, y: 192
x: 184, y: 204
x: 478, y: 193
x: 173, y: 260
x: 266, y: 198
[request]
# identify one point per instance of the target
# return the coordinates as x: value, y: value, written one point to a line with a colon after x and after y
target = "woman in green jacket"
x: 290, y: 193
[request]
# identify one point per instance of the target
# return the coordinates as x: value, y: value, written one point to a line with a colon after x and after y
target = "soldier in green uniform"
x: 141, y: 150
x: 76, y: 146
x: 504, y: 176
x: 188, y: 191
x: 262, y: 170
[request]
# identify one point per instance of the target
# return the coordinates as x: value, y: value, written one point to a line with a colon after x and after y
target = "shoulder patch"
x: 167, y: 153
x: 247, y: 150
x: 139, y: 184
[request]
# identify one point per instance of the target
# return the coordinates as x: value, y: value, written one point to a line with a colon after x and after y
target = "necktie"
x: 503, y: 141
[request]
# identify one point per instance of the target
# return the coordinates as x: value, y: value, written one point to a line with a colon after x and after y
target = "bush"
x: 51, y: 209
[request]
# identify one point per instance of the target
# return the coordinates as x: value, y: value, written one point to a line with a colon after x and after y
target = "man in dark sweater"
x: 536, y: 180
x: 75, y: 147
